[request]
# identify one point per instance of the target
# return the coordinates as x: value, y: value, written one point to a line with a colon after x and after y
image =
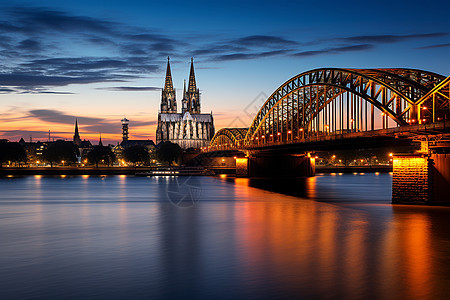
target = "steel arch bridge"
x: 228, y: 138
x: 333, y: 101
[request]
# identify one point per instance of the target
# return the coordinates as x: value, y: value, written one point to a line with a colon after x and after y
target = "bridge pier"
x: 276, y: 166
x: 421, y: 178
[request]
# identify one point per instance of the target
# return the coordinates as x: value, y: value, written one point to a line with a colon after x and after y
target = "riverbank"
x: 132, y: 171
x: 73, y: 171
x: 353, y: 169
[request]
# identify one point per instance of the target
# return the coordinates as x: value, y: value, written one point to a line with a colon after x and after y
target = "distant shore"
x: 353, y: 169
x: 73, y: 171
x: 131, y: 171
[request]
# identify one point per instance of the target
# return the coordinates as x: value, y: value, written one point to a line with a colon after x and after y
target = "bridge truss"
x: 337, y: 101
x: 228, y: 138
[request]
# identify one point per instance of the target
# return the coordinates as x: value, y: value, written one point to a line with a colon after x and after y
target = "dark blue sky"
x: 66, y: 59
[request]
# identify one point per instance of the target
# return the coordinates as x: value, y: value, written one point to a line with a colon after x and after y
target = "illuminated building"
x: 190, y: 128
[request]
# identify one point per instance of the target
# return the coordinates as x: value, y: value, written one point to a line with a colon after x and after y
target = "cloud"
x: 434, y: 46
x: 24, y: 31
x: 56, y: 116
x: 87, y: 124
x: 131, y: 88
x: 30, y: 45
x: 264, y: 40
x: 389, y: 38
x: 335, y: 50
x: 44, y: 91
x: 6, y: 90
x: 62, y: 65
x: 34, y: 19
x: 246, y: 56
x: 30, y: 80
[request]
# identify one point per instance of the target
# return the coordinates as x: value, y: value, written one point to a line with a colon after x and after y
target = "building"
x: 127, y: 143
x: 190, y: 128
x: 84, y: 146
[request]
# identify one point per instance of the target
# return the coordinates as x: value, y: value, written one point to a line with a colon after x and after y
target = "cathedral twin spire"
x: 191, y: 96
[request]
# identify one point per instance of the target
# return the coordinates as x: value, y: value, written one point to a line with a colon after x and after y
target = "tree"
x: 60, y: 151
x: 101, y: 153
x: 11, y: 151
x: 169, y: 152
x: 137, y: 154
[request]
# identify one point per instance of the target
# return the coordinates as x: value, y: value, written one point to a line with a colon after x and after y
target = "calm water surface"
x: 119, y: 237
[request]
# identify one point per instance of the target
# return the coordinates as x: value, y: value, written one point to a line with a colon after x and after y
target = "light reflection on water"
x: 118, y: 237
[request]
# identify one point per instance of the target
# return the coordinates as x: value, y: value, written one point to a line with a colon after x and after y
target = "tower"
x: 191, y: 97
x: 76, y: 136
x: 125, y: 123
x: 168, y: 99
x: 100, y: 140
x: 190, y: 128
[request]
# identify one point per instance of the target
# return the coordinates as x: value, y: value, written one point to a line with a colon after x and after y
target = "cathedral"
x: 190, y: 128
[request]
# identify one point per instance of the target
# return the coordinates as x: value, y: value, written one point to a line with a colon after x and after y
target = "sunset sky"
x: 100, y: 60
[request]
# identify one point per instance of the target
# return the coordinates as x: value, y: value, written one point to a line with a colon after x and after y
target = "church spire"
x: 168, y: 86
x: 100, y: 141
x: 76, y: 136
x: 192, y: 87
x: 76, y: 127
x: 168, y: 100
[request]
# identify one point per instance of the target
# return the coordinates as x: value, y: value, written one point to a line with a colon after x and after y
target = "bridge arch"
x: 231, y: 138
x: 333, y: 101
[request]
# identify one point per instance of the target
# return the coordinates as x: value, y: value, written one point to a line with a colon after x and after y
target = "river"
x: 332, y: 236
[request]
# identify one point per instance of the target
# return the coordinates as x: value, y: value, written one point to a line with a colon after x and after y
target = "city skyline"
x: 82, y: 60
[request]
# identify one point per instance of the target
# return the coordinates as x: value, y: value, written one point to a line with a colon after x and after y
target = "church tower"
x: 168, y: 99
x: 191, y: 99
x: 190, y: 128
x: 76, y: 136
x: 125, y: 123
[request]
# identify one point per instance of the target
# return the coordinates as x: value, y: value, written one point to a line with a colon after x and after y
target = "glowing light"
x: 289, y: 132
x: 278, y: 133
x: 391, y: 154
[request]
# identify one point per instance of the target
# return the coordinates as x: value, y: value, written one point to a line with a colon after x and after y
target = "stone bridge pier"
x: 273, y: 165
x: 423, y: 177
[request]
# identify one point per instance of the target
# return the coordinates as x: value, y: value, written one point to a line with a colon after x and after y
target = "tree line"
x: 66, y: 153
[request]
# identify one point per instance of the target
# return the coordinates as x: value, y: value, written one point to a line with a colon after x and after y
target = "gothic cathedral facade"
x: 190, y: 128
